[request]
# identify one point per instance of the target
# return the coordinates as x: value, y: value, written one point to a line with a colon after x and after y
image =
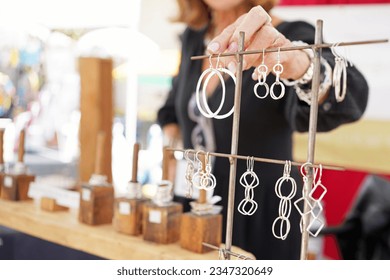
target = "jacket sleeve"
x: 331, y: 113
x: 167, y: 113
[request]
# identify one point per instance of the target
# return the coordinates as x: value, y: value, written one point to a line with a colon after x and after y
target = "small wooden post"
x: 50, y: 205
x: 161, y: 223
x: 97, y: 196
x: 198, y: 228
x: 128, y: 209
x: 15, y: 185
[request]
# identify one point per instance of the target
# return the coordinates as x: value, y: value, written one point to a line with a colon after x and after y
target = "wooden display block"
x: 50, y: 204
x: 15, y: 186
x: 161, y: 224
x: 96, y: 204
x: 128, y: 214
x: 196, y: 229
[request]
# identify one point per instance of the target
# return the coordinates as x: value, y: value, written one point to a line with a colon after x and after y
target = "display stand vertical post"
x: 311, y: 139
x: 234, y: 148
x: 97, y: 113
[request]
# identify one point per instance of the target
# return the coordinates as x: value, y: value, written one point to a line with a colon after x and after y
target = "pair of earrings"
x: 262, y: 71
x: 201, y: 94
x: 339, y: 72
x: 202, y: 178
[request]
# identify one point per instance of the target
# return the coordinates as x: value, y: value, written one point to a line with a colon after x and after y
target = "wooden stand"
x: 97, y: 198
x: 97, y: 113
x: 197, y: 229
x: 96, y: 204
x: 161, y: 224
x: 50, y: 204
x: 128, y: 215
x: 128, y: 210
x: 15, y: 186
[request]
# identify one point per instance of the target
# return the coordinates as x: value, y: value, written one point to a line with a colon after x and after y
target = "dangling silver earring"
x: 201, y: 96
x: 285, y: 203
x: 262, y: 71
x: 189, y: 174
x: 249, y: 189
x: 339, y: 71
x: 277, y: 69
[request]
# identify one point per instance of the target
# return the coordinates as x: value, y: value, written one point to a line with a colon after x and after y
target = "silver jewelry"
x: 317, y: 224
x: 201, y: 95
x: 285, y: 203
x: 262, y: 71
x: 339, y: 71
x: 308, y: 76
x: 306, y: 94
x: 196, y: 178
x: 314, y: 204
x: 204, y: 179
x: 189, y: 173
x: 249, y: 185
x: 277, y: 69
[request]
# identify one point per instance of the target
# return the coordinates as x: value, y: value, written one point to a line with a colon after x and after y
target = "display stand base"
x: 50, y: 205
x: 96, y: 204
x: 196, y: 229
x: 15, y: 187
x: 128, y: 214
x: 161, y: 224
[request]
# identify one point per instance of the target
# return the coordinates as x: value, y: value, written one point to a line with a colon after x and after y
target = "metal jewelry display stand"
x: 317, y: 47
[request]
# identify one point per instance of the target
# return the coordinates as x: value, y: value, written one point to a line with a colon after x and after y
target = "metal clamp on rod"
x: 225, y: 252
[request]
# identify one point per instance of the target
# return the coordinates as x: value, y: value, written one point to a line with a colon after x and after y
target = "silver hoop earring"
x: 201, y: 95
x: 277, y: 69
x: 339, y: 71
x: 207, y: 111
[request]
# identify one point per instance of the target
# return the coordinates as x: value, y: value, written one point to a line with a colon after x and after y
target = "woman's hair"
x: 195, y: 13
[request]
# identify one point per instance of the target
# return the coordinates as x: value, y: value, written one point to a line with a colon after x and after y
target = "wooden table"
x: 64, y: 228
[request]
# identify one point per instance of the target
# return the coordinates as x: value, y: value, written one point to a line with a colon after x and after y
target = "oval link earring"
x: 262, y: 71
x: 277, y: 69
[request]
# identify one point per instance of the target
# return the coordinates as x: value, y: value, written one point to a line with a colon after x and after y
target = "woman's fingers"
x: 249, y: 23
x: 221, y: 42
x: 253, y: 21
x: 252, y: 24
x: 266, y: 37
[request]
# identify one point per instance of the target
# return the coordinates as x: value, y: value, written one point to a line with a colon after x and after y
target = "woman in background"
x: 266, y: 125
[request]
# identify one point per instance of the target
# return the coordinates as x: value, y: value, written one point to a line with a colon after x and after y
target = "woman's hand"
x: 259, y: 34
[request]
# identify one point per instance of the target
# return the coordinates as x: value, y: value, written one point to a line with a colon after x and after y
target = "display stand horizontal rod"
x: 295, y: 48
x: 224, y: 251
x: 275, y: 161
